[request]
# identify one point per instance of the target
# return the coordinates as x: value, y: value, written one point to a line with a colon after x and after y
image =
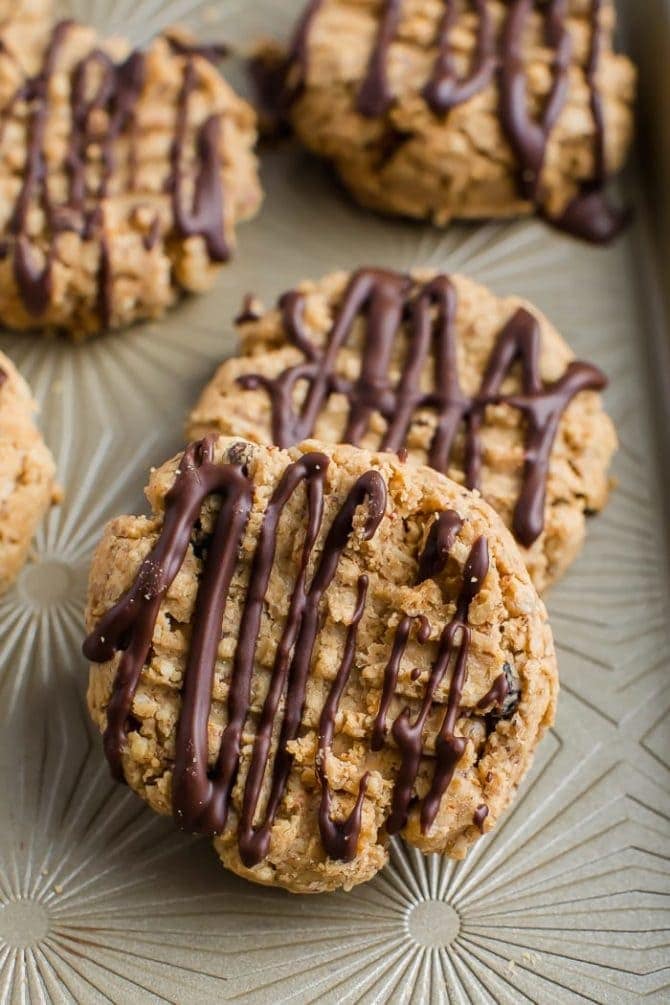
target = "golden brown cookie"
x: 27, y: 486
x: 441, y: 109
x: 481, y: 387
x: 19, y: 11
x: 122, y: 176
x: 303, y: 652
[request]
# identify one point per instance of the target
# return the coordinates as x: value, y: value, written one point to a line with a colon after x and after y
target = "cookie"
x: 304, y: 652
x: 122, y: 177
x: 27, y: 486
x: 437, y: 109
x: 439, y: 368
x: 18, y: 11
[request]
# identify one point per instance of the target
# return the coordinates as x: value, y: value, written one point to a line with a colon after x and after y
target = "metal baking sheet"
x: 567, y: 900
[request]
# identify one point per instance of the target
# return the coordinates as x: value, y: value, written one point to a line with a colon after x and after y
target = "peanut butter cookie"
x: 27, y: 486
x: 441, y: 109
x: 482, y: 388
x: 122, y: 176
x: 303, y: 652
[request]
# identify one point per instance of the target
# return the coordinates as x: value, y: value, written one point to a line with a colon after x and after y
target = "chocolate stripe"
x: 386, y: 300
x: 116, y: 93
x: 201, y: 792
x: 589, y: 215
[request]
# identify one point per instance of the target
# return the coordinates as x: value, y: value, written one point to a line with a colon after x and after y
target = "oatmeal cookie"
x: 18, y: 11
x: 435, y: 366
x: 27, y: 486
x: 122, y: 176
x: 440, y: 109
x: 303, y: 652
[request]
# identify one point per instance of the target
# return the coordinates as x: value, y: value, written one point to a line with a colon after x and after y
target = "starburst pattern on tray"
x: 100, y: 897
x: 100, y: 900
x: 42, y: 615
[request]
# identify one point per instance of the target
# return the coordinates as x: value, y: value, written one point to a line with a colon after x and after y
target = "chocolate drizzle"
x: 496, y: 696
x: 440, y: 541
x: 213, y: 52
x: 340, y: 837
x: 250, y: 310
x: 375, y: 93
x: 294, y: 70
x: 445, y: 89
x: 33, y: 277
x: 408, y: 734
x: 379, y: 728
x: 278, y: 77
x: 480, y: 816
x: 116, y: 91
x: 386, y: 299
x: 204, y: 218
x: 202, y: 791
x: 528, y: 137
x: 588, y: 215
x: 128, y: 625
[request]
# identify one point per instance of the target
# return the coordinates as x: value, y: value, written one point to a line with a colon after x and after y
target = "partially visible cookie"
x: 122, y: 176
x: 303, y: 652
x: 27, y: 486
x: 25, y: 10
x: 481, y: 387
x: 442, y: 110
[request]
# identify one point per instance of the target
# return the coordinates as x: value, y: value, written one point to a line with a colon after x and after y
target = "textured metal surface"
x: 567, y: 900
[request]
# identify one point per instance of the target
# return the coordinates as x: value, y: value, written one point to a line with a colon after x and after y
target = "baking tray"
x: 567, y: 900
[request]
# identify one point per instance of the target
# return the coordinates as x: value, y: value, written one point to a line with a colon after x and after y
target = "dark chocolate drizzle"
x: 496, y: 696
x: 386, y: 299
x: 278, y: 77
x: 202, y: 792
x: 128, y: 625
x: 204, y: 218
x: 408, y: 734
x: 588, y: 215
x: 375, y: 94
x: 116, y: 94
x: 445, y: 89
x: 213, y: 52
x: 529, y: 137
x: 440, y: 541
x: 295, y: 68
x: 340, y: 837
x: 249, y: 311
x: 480, y: 816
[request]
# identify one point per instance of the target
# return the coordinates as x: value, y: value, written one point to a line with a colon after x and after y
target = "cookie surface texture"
x: 481, y: 387
x: 27, y: 486
x: 303, y: 652
x: 438, y: 109
x: 123, y: 175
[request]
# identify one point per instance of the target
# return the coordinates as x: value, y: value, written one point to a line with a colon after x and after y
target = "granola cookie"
x: 122, y: 176
x: 25, y: 10
x: 438, y: 109
x: 27, y: 486
x: 481, y: 387
x: 303, y: 652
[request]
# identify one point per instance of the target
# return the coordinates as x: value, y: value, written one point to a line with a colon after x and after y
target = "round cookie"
x: 27, y: 486
x: 481, y: 387
x: 122, y: 176
x: 302, y: 652
x: 436, y: 109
